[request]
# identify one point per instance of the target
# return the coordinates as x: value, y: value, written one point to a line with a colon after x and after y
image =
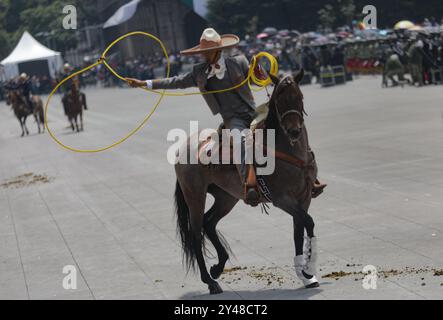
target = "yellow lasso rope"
x: 251, y: 77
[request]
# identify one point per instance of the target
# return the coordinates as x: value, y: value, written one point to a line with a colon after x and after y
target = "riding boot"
x: 64, y: 102
x: 30, y: 104
x: 247, y: 176
x: 317, y: 188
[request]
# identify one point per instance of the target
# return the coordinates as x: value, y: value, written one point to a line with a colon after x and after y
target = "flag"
x: 124, y: 13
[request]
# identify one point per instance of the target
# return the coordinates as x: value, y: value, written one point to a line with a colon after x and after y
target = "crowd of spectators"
x: 418, y: 51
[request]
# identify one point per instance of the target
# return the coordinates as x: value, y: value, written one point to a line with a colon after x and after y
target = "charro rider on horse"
x: 25, y: 87
x: 67, y: 87
x: 236, y: 107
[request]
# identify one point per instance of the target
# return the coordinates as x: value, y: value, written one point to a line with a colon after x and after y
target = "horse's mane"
x: 271, y: 121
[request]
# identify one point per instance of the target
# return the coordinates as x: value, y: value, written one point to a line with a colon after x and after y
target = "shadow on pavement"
x: 268, y: 294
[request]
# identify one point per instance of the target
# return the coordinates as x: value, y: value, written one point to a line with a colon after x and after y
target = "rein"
x: 286, y: 157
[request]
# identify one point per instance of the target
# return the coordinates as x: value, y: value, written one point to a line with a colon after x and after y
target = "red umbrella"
x: 262, y: 35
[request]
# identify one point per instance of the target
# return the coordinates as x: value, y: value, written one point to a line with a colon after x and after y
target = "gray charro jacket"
x: 237, y: 70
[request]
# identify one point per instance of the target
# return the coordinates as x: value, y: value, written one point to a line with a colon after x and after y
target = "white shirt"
x: 217, y: 69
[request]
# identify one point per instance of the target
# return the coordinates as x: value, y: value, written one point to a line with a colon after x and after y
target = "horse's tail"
x: 184, y: 228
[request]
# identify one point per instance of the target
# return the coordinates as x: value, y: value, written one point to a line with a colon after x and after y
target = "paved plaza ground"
x: 110, y: 214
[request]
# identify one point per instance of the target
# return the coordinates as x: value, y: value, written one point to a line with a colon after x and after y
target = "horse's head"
x: 8, y: 99
x: 287, y: 105
x: 75, y: 84
x: 11, y: 96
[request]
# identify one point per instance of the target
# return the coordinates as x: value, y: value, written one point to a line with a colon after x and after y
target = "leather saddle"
x: 211, y: 149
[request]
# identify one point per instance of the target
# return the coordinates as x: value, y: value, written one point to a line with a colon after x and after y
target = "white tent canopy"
x: 28, y: 49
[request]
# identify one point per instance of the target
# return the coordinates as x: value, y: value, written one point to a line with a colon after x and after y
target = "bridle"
x: 285, y: 114
x: 281, y: 117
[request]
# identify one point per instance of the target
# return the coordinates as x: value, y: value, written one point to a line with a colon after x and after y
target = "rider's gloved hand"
x: 135, y: 83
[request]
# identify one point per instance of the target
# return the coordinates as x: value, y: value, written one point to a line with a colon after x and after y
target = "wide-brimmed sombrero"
x: 211, y: 40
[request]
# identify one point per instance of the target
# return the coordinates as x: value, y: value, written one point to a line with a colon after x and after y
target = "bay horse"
x: 75, y: 101
x: 290, y: 186
x: 22, y: 111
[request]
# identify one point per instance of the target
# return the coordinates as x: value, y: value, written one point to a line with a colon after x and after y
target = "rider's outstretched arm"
x: 182, y: 81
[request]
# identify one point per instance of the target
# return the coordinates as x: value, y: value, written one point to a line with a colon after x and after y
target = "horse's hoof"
x: 215, y: 271
x: 312, y: 285
x: 214, y: 288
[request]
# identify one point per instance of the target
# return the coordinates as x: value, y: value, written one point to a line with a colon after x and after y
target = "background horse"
x: 74, y: 105
x: 22, y: 111
x: 290, y: 185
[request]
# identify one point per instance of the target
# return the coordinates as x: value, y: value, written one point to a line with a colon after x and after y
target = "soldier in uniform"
x: 415, y: 54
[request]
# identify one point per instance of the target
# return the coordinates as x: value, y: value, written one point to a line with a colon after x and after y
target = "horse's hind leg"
x: 190, y: 203
x: 223, y: 204
x: 196, y: 213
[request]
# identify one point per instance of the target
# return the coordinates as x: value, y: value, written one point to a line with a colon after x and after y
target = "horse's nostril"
x: 294, y: 132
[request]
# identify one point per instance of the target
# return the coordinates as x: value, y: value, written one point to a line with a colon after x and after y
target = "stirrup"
x: 317, y: 188
x: 251, y: 195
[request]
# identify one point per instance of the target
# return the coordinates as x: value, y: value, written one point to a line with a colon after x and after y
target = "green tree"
x: 43, y: 19
x: 348, y: 10
x: 327, y: 16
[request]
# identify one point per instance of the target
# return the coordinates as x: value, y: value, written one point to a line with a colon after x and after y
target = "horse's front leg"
x: 83, y: 97
x: 21, y: 126
x: 71, y: 121
x: 81, y: 120
x: 76, y: 123
x: 24, y: 125
x: 38, y: 122
x: 300, y: 222
x: 305, y: 249
x: 310, y: 250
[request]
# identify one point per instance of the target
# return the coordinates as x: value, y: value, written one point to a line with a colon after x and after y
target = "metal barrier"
x: 332, y: 75
x: 437, y: 75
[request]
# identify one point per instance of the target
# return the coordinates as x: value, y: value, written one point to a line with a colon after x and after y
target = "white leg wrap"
x: 300, y: 271
x: 310, y: 254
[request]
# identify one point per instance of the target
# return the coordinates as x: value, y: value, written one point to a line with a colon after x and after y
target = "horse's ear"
x: 299, y: 76
x: 274, y: 79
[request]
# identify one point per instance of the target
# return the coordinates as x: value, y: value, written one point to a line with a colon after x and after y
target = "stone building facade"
x: 172, y: 21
